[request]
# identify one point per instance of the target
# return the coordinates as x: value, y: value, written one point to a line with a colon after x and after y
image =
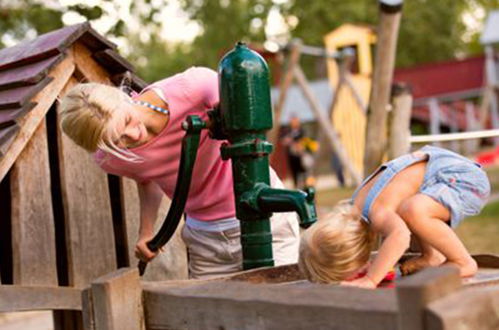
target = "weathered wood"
x: 113, y: 61
x: 7, y: 132
x: 400, y: 130
x: 16, y: 298
x: 376, y: 140
x: 4, y: 146
x: 30, y: 121
x: 415, y: 292
x: 17, y: 97
x: 286, y: 80
x: 325, y: 124
x: 9, y: 116
x: 87, y: 212
x: 238, y: 305
x: 87, y: 66
x: 88, y: 309
x: 168, y: 265
x: 466, y: 309
x: 29, y: 74
x: 45, y: 46
x: 33, y: 232
x: 96, y: 42
x: 117, y: 301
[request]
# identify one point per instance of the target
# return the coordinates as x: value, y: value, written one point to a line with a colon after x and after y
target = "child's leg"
x: 426, y: 218
x: 430, y: 257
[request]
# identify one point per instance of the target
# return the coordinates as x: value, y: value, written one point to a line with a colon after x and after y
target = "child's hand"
x: 363, y: 282
x: 142, y: 252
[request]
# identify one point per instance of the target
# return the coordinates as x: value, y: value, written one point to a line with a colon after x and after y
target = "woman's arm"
x: 150, y: 195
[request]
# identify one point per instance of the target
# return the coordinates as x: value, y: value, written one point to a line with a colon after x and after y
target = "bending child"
x: 425, y: 193
x: 140, y: 137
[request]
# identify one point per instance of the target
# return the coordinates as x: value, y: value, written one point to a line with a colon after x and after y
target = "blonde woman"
x: 140, y: 137
x: 425, y: 193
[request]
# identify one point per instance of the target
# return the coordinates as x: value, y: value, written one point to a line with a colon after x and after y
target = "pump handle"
x: 190, y: 143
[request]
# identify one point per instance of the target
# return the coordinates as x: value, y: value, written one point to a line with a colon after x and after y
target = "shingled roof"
x: 28, y: 68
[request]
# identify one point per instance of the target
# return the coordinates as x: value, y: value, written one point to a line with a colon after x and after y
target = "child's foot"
x: 467, y: 268
x: 416, y: 264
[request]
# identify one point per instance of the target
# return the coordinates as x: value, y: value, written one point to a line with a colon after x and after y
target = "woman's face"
x: 130, y: 131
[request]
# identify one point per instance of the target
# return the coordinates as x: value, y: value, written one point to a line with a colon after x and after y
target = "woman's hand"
x: 364, y: 282
x: 142, y: 252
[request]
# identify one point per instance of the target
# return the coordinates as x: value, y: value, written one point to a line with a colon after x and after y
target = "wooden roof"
x: 25, y: 70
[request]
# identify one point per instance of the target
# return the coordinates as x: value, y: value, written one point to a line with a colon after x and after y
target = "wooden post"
x: 415, y: 292
x: 382, y: 80
x: 117, y: 301
x: 400, y: 130
x: 286, y: 80
x: 434, y: 118
x: 325, y: 125
x: 491, y: 74
x: 472, y: 124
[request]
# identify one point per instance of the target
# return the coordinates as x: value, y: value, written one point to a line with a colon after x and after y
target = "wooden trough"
x: 279, y: 298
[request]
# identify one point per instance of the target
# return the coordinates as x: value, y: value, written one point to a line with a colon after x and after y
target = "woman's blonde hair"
x: 89, y: 112
x: 335, y: 247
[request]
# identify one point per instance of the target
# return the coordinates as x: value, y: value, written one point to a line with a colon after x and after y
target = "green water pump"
x: 242, y: 119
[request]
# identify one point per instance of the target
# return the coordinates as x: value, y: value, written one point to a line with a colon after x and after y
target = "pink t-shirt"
x: 211, y: 196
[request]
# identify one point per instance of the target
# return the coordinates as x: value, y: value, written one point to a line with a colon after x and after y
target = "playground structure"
x: 270, y: 298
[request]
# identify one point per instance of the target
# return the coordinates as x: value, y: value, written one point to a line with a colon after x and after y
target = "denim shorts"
x: 451, y: 179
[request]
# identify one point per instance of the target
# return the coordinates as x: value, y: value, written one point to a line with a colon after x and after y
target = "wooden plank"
x: 117, y: 301
x: 87, y: 212
x: 88, y: 309
x: 239, y: 305
x: 9, y: 116
x: 87, y: 66
x: 94, y: 41
x: 376, y: 140
x: 113, y: 61
x: 17, y: 97
x: 4, y: 146
x: 28, y: 74
x: 415, y: 292
x: 168, y: 265
x: 466, y: 309
x: 44, y: 46
x: 30, y: 122
x: 16, y: 298
x: 33, y: 232
x: 6, y: 133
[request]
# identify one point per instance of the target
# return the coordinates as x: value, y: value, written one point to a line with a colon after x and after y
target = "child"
x: 421, y: 193
x: 140, y: 137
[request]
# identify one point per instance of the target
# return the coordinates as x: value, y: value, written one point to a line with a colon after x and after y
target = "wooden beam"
x: 87, y: 211
x: 467, y: 309
x: 376, y: 139
x: 16, y: 298
x: 415, y: 292
x: 33, y: 232
x: 87, y: 66
x: 325, y: 124
x: 30, y: 122
x: 117, y: 301
x: 286, y: 80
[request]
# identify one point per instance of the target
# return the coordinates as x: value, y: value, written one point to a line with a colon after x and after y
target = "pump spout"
x: 266, y: 199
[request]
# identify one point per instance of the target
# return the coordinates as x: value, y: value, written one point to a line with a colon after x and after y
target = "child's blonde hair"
x: 89, y: 112
x: 335, y: 247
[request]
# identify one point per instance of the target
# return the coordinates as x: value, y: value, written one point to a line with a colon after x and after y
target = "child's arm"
x: 150, y: 196
x: 396, y: 240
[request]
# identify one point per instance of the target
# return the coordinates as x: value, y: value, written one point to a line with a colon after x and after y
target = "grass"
x: 479, y: 233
